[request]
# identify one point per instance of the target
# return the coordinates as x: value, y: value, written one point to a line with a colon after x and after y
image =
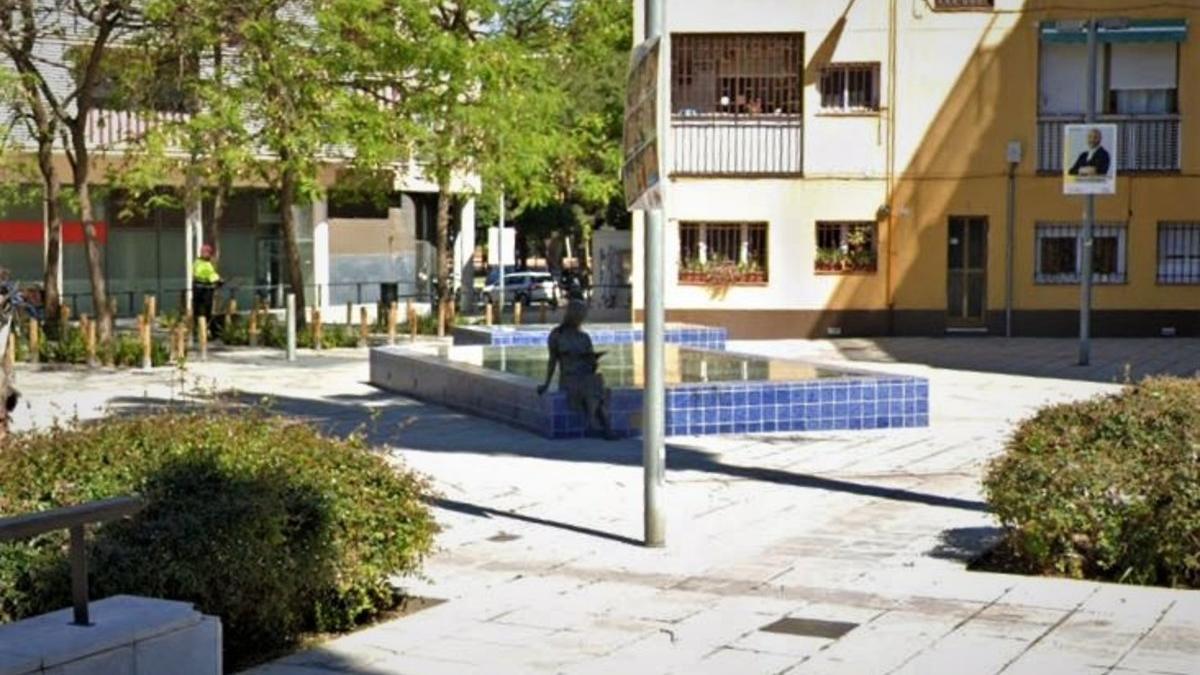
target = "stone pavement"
x: 860, y: 537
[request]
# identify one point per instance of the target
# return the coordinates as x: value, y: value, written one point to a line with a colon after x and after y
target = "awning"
x: 1134, y: 30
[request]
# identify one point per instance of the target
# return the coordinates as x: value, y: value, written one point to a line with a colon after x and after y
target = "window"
x: 846, y: 247
x: 736, y: 252
x: 130, y: 81
x: 1179, y: 253
x: 737, y: 74
x: 1059, y: 252
x: 850, y: 87
x: 1135, y: 78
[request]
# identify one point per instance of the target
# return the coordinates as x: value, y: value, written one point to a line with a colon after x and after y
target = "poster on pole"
x: 1090, y: 156
x: 642, y: 168
x: 505, y: 254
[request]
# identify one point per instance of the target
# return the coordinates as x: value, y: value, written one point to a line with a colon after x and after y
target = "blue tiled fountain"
x: 707, y: 337
x: 708, y: 391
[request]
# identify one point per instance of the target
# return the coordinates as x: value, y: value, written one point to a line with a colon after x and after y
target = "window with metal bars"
x: 844, y: 247
x: 850, y: 87
x: 1179, y: 253
x: 735, y: 252
x: 1060, y: 247
x: 962, y: 4
x: 737, y: 74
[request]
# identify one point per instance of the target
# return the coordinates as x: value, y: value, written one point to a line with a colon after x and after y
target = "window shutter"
x: 1144, y: 66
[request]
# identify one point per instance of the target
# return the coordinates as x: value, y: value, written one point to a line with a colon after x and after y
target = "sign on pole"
x: 642, y: 171
x: 1090, y: 156
x: 503, y: 255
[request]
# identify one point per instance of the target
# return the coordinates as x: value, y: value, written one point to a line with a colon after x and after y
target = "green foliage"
x: 264, y: 522
x: 124, y: 350
x: 1106, y: 489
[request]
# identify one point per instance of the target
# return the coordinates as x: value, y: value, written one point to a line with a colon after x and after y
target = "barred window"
x: 735, y: 250
x: 846, y: 247
x: 1060, y: 247
x: 850, y: 87
x: 962, y: 4
x: 1179, y: 253
x: 737, y: 74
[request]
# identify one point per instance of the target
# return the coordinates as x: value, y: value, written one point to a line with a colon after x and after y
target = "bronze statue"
x: 571, y: 348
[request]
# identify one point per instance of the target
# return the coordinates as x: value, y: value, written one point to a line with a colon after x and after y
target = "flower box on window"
x: 837, y: 261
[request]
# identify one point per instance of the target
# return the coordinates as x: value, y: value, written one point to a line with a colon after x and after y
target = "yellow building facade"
x: 873, y: 167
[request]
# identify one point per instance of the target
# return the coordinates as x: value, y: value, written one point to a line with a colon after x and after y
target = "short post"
x: 253, y: 330
x: 542, y: 313
x: 488, y: 318
x: 230, y: 311
x: 349, y: 314
x: 89, y: 339
x: 291, y: 326
x: 64, y: 327
x: 318, y: 330
x: 393, y: 311
x: 79, y: 575
x: 147, y: 337
x: 202, y: 337
x: 441, y: 319
x: 35, y: 341
x: 412, y: 322
x: 364, y: 330
x: 517, y: 307
x: 10, y: 353
x: 112, y: 313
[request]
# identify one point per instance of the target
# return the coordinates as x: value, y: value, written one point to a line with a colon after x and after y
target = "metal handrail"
x: 74, y: 519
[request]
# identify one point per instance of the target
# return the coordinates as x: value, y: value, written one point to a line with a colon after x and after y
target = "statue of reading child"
x: 571, y: 348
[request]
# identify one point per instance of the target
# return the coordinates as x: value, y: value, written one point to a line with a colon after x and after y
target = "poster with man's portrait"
x: 1090, y: 159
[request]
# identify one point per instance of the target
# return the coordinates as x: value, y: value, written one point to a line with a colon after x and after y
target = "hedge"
x: 1106, y: 489
x: 262, y: 521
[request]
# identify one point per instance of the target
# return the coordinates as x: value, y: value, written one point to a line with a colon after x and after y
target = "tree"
x: 26, y: 29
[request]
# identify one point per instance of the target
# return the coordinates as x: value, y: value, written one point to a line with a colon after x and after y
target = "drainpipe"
x: 1010, y: 236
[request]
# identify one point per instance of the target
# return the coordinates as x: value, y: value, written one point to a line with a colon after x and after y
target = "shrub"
x: 1107, y: 488
x: 123, y: 351
x: 266, y: 523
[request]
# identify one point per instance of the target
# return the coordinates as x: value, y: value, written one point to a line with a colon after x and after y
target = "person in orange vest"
x: 205, y: 281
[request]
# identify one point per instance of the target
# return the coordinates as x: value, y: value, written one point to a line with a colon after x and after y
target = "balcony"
x: 1146, y: 142
x: 109, y: 130
x: 737, y: 146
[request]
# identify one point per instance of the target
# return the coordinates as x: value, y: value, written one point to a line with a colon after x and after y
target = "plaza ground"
x: 864, y: 536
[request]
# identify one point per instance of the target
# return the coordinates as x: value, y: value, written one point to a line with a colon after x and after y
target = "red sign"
x: 30, y: 232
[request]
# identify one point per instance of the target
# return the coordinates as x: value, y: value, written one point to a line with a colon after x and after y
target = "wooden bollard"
x: 364, y: 329
x: 89, y: 338
x: 441, y: 318
x: 517, y: 307
x: 542, y: 313
x: 349, y: 314
x: 393, y: 311
x: 318, y: 330
x: 230, y: 311
x: 64, y: 325
x: 35, y: 341
x: 10, y: 353
x: 253, y: 329
x: 412, y: 322
x: 202, y: 337
x: 488, y: 316
x: 147, y: 340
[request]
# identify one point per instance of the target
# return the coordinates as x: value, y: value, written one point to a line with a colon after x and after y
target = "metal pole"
x: 500, y: 302
x: 1089, y: 220
x: 79, y: 575
x: 1010, y: 235
x: 291, y: 326
x: 654, y: 392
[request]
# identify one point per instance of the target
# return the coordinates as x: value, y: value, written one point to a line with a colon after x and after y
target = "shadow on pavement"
x: 485, y: 512
x: 966, y: 544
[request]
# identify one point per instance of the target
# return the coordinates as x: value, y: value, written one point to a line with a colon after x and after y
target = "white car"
x: 525, y: 288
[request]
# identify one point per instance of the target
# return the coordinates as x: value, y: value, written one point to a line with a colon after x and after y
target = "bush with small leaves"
x: 1106, y: 489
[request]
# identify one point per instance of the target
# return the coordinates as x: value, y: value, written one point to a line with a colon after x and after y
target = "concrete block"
x: 113, y: 662
x: 194, y: 650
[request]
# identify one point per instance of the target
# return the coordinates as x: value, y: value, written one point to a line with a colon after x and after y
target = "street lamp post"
x: 1089, y: 218
x: 654, y: 386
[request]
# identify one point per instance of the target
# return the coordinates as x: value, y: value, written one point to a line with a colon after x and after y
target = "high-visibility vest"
x: 204, y: 272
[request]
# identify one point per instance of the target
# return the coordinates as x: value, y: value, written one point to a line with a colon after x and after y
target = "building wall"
x: 965, y: 85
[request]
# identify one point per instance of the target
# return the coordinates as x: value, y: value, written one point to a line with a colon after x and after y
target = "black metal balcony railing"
x: 767, y: 145
x: 962, y: 4
x: 1146, y: 143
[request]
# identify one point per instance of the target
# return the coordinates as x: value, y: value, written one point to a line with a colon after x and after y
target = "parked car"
x: 526, y: 288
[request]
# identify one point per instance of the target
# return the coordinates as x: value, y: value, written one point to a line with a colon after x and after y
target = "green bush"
x: 272, y: 332
x: 1107, y: 488
x: 264, y: 522
x: 123, y: 351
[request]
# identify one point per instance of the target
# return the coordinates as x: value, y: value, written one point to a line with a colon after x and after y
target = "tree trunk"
x: 104, y: 317
x: 291, y: 246
x: 444, y: 260
x: 220, y: 201
x: 6, y: 315
x: 51, y: 189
